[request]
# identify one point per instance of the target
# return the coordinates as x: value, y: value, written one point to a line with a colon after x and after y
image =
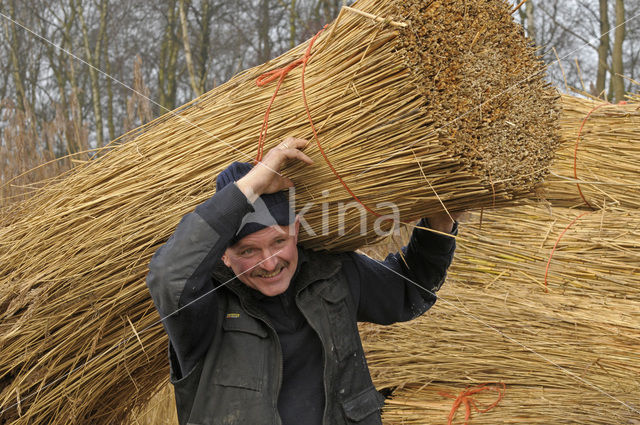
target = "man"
x: 268, y: 335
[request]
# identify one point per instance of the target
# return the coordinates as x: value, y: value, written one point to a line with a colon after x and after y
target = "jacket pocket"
x: 185, y: 389
x: 364, y: 408
x: 344, y: 333
x: 241, y: 359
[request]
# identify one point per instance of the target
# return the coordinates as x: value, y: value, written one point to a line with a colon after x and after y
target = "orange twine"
x: 324, y: 155
x: 280, y: 74
x: 575, y: 175
x: 465, y: 397
x: 262, y: 80
x: 546, y: 272
x: 575, y: 153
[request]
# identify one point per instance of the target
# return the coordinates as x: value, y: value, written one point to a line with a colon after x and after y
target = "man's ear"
x: 225, y: 258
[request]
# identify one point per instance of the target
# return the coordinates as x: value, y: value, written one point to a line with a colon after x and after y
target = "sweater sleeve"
x: 180, y: 275
x: 397, y: 289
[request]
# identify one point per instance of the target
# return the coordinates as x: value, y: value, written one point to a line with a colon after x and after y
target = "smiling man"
x: 265, y: 260
x: 262, y: 331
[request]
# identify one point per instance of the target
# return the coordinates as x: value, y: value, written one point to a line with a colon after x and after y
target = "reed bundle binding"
x: 599, y: 158
x: 452, y: 97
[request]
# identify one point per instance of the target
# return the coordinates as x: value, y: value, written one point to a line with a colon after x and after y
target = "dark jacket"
x: 233, y: 351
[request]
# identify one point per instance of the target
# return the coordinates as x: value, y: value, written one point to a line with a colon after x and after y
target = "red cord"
x: 465, y: 398
x: 575, y: 153
x: 270, y: 76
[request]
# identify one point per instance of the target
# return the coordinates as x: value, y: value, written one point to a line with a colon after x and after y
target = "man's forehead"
x: 265, y: 235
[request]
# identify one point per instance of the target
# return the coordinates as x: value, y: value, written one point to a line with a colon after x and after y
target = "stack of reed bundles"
x: 569, y: 355
x: 80, y: 339
x: 588, y: 322
x: 599, y: 158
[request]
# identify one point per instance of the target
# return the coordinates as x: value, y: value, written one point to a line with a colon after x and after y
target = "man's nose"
x: 270, y: 260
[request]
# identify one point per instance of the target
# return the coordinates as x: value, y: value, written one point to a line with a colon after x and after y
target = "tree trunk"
x: 617, y: 69
x: 168, y: 60
x: 17, y: 71
x: 94, y: 60
x: 292, y: 24
x: 264, y: 42
x: 531, y: 26
x: 603, y: 48
x: 187, y: 49
x: 204, y: 43
x: 110, y: 125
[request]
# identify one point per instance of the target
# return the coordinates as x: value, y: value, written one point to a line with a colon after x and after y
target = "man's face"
x: 265, y: 260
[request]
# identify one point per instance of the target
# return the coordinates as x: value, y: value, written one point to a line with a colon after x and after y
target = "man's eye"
x: 280, y: 241
x: 247, y: 251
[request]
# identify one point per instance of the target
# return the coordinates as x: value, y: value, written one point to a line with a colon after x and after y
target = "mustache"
x: 259, y: 271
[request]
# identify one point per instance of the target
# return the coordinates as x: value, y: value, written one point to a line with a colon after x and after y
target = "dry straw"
x: 574, y: 347
x: 455, y: 96
x: 597, y: 252
x: 569, y: 355
x: 599, y: 158
x: 522, y: 404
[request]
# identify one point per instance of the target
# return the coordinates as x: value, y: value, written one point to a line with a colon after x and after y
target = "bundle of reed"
x: 599, y: 158
x: 578, y: 347
x: 449, y: 95
x: 160, y: 410
x: 562, y: 250
x: 79, y: 336
x: 495, y: 322
x: 420, y: 405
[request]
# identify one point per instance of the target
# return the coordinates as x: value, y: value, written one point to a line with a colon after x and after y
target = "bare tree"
x: 603, y: 48
x: 617, y: 68
x: 15, y: 51
x: 93, y: 58
x: 205, y: 14
x: 168, y: 59
x: 187, y: 48
x: 264, y: 25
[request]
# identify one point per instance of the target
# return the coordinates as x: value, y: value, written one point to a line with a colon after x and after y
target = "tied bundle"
x: 575, y: 339
x: 418, y: 404
x: 411, y: 103
x: 579, y: 350
x: 598, y: 162
x: 563, y: 251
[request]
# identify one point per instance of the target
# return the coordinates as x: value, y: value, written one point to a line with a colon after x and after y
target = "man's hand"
x: 265, y: 176
x: 442, y: 221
